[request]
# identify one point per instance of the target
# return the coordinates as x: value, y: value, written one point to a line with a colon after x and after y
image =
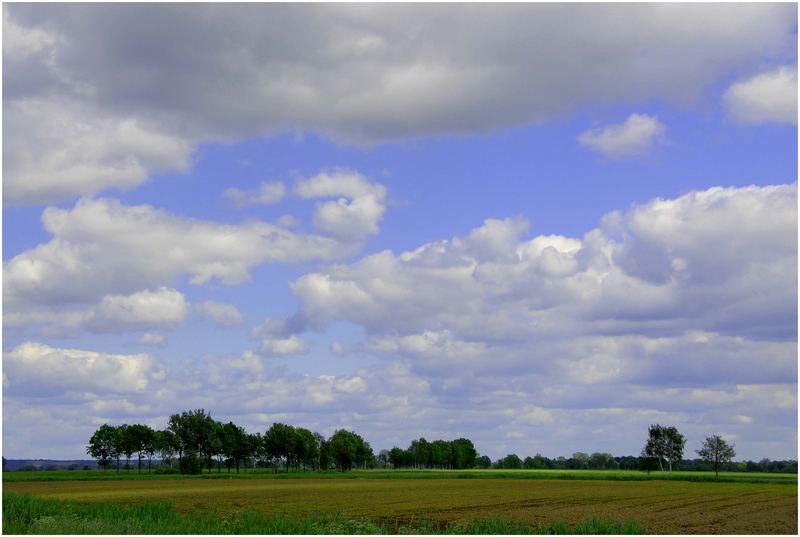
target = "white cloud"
x: 721, y: 261
x: 339, y: 182
x: 162, y: 308
x: 635, y: 137
x: 223, y: 315
x: 349, y: 219
x: 102, y: 247
x: 769, y: 97
x: 85, y: 111
x: 282, y: 347
x: 267, y: 193
x: 152, y: 339
x: 55, y: 150
x: 37, y: 369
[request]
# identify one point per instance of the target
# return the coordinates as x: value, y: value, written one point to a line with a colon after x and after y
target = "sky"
x: 542, y: 227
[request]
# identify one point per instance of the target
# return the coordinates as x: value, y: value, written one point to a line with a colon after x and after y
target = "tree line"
x: 443, y: 454
x: 193, y: 441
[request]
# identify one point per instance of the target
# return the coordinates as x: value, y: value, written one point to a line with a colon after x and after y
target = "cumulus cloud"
x: 283, y: 346
x: 769, y: 97
x: 223, y: 315
x: 56, y: 150
x: 152, y: 339
x: 616, y: 306
x: 267, y: 193
x: 37, y: 369
x: 340, y: 182
x: 97, y: 112
x: 636, y: 136
x: 162, y: 308
x: 102, y: 247
x: 351, y: 219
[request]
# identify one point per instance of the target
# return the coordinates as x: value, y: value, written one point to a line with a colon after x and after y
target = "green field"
x: 605, y: 475
x: 519, y: 501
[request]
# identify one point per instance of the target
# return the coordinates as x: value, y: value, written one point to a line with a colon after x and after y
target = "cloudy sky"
x: 543, y: 227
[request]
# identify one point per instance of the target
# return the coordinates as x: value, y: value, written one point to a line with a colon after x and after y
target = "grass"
x: 675, y: 507
x: 604, y: 475
x: 25, y: 514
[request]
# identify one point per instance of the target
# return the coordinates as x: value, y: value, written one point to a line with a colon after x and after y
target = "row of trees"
x: 195, y: 440
x: 445, y: 454
x: 664, y: 448
x: 578, y: 461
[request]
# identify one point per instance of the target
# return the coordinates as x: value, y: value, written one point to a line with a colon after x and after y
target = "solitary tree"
x: 716, y: 451
x: 664, y: 443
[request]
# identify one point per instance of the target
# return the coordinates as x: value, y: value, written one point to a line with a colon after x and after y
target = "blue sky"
x: 539, y: 242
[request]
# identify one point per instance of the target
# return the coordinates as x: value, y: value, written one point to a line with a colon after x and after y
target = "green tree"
x: 483, y: 462
x: 127, y: 443
x: 510, y: 462
x: 462, y: 454
x: 397, y: 457
x: 716, y: 451
x: 236, y: 445
x: 102, y: 445
x: 664, y: 444
x: 347, y: 448
x: 279, y: 443
x: 324, y: 452
x: 141, y: 439
x: 306, y: 447
x: 166, y: 446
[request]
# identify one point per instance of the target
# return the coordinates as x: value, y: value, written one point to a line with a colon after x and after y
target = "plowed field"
x: 661, y: 506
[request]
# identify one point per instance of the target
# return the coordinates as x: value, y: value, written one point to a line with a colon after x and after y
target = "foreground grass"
x: 604, y: 475
x: 25, y: 514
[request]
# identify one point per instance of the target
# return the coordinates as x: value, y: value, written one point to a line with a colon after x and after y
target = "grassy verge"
x: 604, y: 475
x: 25, y: 514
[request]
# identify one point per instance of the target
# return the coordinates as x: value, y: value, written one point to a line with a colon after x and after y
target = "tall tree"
x: 664, y: 444
x: 324, y: 452
x: 127, y: 442
x: 279, y: 443
x: 165, y: 446
x: 716, y: 451
x: 235, y: 444
x: 142, y: 439
x: 307, y: 448
x: 463, y: 454
x: 102, y: 445
x: 348, y: 448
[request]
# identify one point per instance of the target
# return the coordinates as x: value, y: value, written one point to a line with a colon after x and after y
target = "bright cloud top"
x: 33, y: 368
x: 769, y: 97
x: 635, y: 137
x: 661, y: 269
x: 104, y: 247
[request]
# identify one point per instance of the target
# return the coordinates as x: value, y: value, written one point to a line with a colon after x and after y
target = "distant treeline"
x: 193, y: 440
x: 606, y: 461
